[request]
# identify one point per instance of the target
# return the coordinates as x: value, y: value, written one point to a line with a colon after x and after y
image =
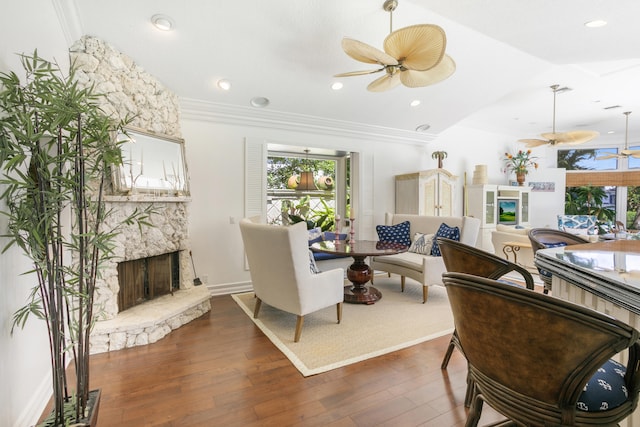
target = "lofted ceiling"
x: 508, y: 53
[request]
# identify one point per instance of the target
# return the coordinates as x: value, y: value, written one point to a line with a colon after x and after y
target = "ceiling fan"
x: 413, y: 56
x: 573, y: 137
x: 626, y: 152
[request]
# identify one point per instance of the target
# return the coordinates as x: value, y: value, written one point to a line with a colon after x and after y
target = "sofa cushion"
x: 398, y: 233
x: 513, y: 230
x: 421, y: 243
x: 446, y: 232
x: 406, y: 259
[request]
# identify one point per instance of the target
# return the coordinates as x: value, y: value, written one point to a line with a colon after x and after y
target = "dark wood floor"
x: 220, y: 370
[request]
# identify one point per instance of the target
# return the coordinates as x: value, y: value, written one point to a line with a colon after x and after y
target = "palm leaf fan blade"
x: 386, y: 82
x: 418, y: 47
x: 533, y: 142
x: 366, y: 53
x: 608, y: 156
x: 572, y: 137
x: 442, y: 71
x: 358, y: 73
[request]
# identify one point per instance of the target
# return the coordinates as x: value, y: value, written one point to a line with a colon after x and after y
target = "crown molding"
x: 195, y: 109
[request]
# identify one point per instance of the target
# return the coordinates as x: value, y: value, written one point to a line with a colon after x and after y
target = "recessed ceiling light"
x: 259, y: 102
x: 611, y: 131
x: 224, y: 84
x: 595, y: 23
x: 415, y: 103
x: 336, y: 85
x: 423, y: 128
x: 162, y: 22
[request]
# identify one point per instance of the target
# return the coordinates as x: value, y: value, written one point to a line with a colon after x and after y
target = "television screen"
x: 507, y: 211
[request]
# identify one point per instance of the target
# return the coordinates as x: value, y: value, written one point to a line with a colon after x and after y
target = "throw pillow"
x: 312, y: 264
x: 315, y: 235
x: 421, y: 244
x: 331, y: 235
x: 398, y: 233
x: 447, y: 232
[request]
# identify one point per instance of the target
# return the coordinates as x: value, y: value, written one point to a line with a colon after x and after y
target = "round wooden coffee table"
x: 359, y: 273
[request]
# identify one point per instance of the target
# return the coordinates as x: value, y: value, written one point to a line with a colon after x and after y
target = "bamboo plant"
x: 56, y: 148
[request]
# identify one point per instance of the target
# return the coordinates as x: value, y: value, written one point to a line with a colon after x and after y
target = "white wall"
x: 215, y: 155
x: 24, y: 357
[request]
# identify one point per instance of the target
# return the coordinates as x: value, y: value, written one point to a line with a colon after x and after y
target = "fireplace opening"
x: 144, y: 279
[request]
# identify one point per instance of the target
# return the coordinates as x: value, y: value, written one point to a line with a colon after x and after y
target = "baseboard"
x: 229, y: 288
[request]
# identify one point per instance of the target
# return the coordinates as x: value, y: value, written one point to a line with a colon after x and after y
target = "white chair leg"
x: 299, y: 324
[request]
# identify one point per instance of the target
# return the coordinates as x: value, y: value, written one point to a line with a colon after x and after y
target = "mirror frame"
x: 137, y: 145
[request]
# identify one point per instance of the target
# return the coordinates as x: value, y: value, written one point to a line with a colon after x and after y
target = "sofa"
x: 508, y: 233
x: 423, y: 267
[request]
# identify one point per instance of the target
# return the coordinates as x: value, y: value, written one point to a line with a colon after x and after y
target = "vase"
x: 520, y: 176
x: 325, y: 183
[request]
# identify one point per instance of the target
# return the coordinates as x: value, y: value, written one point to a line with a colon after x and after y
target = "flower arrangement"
x: 521, y: 162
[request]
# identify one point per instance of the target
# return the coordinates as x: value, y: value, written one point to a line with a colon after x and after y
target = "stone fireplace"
x: 129, y: 91
x: 151, y: 320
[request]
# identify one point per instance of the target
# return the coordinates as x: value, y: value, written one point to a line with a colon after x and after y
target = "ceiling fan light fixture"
x: 625, y: 152
x: 413, y: 56
x: 566, y: 138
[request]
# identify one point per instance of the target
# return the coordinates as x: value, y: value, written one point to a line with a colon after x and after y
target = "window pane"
x: 633, y: 162
x: 588, y: 159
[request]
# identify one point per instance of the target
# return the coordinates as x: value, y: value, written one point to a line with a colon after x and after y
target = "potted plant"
x: 520, y: 163
x: 56, y: 150
x: 440, y: 156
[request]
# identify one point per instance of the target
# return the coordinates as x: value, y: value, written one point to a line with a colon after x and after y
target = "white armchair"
x: 279, y: 265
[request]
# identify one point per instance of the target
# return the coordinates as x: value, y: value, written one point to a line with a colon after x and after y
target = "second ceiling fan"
x: 624, y: 152
x: 413, y: 56
x: 573, y: 137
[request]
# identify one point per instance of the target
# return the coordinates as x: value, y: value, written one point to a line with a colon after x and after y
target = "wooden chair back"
x: 535, y: 375
x: 462, y: 258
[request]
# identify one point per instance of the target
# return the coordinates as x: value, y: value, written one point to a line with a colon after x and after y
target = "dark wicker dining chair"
x: 544, y: 377
x: 462, y: 258
x: 543, y: 238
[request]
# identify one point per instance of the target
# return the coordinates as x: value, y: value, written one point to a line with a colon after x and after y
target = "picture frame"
x: 151, y: 164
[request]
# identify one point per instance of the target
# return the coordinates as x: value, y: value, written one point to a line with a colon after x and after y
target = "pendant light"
x: 306, y: 177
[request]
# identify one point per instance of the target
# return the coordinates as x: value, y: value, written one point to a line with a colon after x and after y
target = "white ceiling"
x: 508, y: 53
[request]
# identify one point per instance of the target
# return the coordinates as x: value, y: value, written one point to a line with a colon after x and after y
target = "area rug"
x: 397, y: 321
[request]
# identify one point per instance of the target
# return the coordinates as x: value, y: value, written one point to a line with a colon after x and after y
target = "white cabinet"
x: 497, y: 204
x: 482, y: 203
x: 429, y: 192
x: 520, y: 196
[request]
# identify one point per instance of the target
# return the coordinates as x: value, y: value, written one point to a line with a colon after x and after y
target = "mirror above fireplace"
x: 152, y: 164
